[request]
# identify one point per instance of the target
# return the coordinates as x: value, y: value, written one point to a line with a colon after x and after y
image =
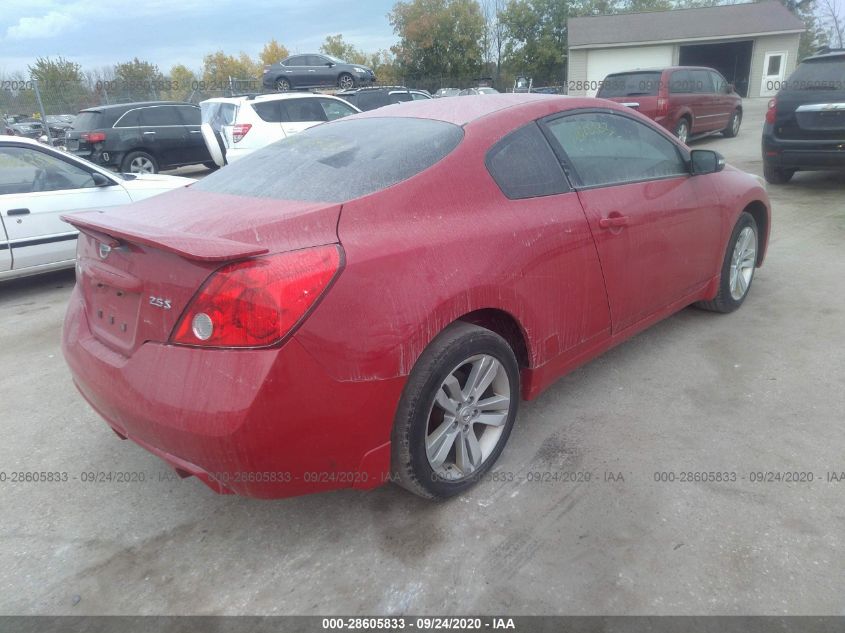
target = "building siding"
x: 577, y: 61
x: 771, y: 44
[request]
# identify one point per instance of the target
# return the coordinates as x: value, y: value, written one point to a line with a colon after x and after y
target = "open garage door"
x: 732, y: 59
x: 602, y: 62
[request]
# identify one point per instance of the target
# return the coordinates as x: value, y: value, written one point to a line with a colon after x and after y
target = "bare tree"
x: 833, y: 17
x: 494, y: 34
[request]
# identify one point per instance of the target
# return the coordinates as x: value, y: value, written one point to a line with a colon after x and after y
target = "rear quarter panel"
x: 445, y: 243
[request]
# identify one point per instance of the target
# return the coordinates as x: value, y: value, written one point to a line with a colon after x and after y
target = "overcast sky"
x: 97, y: 33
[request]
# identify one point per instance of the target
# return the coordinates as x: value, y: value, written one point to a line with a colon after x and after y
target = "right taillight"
x: 239, y: 130
x: 257, y: 302
x: 772, y: 111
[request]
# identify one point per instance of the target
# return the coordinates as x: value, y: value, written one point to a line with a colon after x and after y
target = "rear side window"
x: 295, y: 61
x: 268, y: 111
x: 339, y: 161
x: 372, y: 100
x: 630, y: 85
x: 524, y: 166
x: 400, y: 97
x: 608, y: 149
x: 160, y: 115
x: 85, y: 121
x: 131, y: 118
x: 818, y: 74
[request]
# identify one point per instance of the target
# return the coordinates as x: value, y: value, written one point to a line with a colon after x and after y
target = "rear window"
x: 338, y: 161
x: 217, y: 114
x: 630, y: 85
x: 85, y: 121
x: 818, y: 74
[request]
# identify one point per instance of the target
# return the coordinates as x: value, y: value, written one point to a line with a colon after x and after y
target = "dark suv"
x: 315, y: 71
x: 371, y: 98
x: 140, y: 137
x: 686, y: 100
x: 805, y: 122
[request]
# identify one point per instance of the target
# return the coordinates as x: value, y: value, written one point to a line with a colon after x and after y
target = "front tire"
x: 345, y: 81
x: 456, y: 412
x: 737, y: 268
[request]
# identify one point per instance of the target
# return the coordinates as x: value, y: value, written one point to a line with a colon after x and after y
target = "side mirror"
x: 329, y: 64
x: 100, y: 180
x: 705, y: 161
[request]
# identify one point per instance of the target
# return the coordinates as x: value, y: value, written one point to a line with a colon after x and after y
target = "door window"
x: 160, y: 116
x: 315, y: 60
x: 607, y: 149
x: 299, y: 60
x: 774, y: 65
x: 335, y: 109
x: 680, y: 83
x: 268, y: 111
x: 701, y: 82
x: 27, y: 170
x: 190, y: 115
x: 524, y: 166
x: 301, y: 111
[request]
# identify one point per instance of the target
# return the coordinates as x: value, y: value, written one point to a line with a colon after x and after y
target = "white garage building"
x: 754, y: 46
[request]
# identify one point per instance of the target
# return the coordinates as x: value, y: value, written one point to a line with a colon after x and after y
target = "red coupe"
x: 368, y: 301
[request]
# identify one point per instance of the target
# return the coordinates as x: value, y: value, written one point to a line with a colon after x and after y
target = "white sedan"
x: 37, y: 184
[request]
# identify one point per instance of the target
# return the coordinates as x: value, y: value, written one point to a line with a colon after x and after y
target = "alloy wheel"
x: 683, y: 131
x: 742, y: 263
x: 347, y: 82
x: 141, y: 165
x: 467, y: 417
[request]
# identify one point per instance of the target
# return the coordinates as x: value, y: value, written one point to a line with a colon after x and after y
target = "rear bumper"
x: 803, y: 154
x: 103, y: 158
x: 261, y: 423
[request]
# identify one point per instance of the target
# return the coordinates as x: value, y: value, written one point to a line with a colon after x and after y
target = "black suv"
x: 371, y: 98
x: 140, y: 137
x: 805, y: 123
x: 315, y: 71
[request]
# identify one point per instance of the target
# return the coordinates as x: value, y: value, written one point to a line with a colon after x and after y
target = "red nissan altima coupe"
x: 369, y: 300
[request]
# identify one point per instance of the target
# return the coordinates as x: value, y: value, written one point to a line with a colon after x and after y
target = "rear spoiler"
x: 107, y: 228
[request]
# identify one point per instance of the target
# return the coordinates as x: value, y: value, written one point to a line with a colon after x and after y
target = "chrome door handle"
x: 614, y: 222
x: 149, y: 132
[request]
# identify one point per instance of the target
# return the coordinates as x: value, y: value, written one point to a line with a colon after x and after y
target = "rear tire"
x: 737, y: 267
x: 733, y: 125
x: 282, y: 85
x: 139, y: 163
x: 777, y: 175
x: 456, y: 412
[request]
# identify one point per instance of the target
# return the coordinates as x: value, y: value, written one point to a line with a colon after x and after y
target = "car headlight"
x: 363, y: 71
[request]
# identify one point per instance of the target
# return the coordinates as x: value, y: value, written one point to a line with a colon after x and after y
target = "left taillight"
x: 239, y: 130
x: 258, y: 302
x: 93, y: 137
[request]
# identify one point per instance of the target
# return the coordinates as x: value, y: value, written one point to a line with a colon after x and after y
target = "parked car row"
x: 37, y: 184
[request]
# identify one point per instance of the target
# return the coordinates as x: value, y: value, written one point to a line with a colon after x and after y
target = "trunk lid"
x: 139, y: 266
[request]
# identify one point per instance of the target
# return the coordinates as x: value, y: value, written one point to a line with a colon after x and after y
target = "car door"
x: 195, y: 150
x: 325, y: 70
x: 296, y: 70
x: 163, y: 134
x: 723, y: 98
x: 5, y: 250
x: 655, y: 226
x: 47, y: 186
x: 299, y: 114
x: 707, y: 116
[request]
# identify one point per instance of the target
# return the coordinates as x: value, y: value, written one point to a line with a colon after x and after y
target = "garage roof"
x: 719, y: 22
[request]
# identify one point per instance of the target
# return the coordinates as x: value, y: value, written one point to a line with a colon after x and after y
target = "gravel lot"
x: 759, y: 390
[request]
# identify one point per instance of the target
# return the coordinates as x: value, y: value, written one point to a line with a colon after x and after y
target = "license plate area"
x: 113, y: 314
x: 72, y: 144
